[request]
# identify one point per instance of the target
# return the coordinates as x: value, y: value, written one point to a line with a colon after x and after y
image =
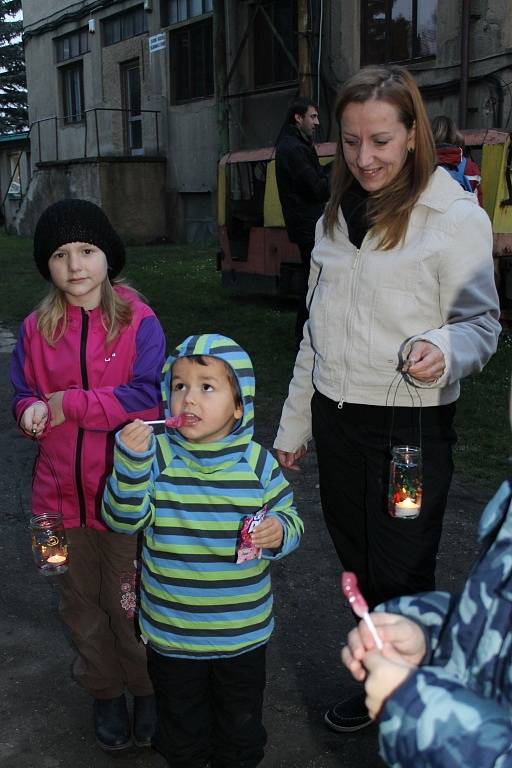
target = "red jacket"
x: 106, y: 386
x: 451, y: 154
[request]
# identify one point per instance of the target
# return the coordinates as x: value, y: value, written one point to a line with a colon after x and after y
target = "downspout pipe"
x: 464, y: 63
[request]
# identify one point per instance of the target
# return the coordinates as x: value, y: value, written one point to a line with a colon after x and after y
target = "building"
x: 132, y: 102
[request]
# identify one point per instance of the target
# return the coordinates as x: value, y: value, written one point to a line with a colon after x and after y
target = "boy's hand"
x: 269, y: 534
x: 403, y: 641
x: 34, y: 418
x: 384, y: 677
x: 55, y: 404
x: 136, y: 436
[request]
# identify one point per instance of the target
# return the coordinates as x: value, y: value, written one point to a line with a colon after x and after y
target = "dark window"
x: 398, y: 30
x: 271, y: 62
x: 183, y: 10
x: 72, y: 45
x: 124, y: 25
x: 192, y: 61
x: 73, y: 92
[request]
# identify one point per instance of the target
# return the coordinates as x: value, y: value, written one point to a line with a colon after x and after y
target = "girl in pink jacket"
x: 87, y: 361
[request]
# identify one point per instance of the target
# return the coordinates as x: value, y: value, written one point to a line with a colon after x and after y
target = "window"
x: 124, y: 25
x: 398, y: 30
x: 182, y: 10
x: 192, y: 61
x: 73, y: 92
x: 72, y: 45
x: 271, y: 63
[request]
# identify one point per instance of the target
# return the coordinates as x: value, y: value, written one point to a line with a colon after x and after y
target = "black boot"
x: 112, y: 723
x: 144, y: 720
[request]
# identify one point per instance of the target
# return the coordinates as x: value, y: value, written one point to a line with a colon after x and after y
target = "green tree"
x: 13, y: 82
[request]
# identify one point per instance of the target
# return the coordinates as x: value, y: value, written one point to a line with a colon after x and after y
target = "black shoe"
x: 112, y: 723
x: 349, y: 715
x: 144, y: 720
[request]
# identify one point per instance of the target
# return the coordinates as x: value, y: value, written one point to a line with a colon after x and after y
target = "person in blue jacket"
x: 441, y: 689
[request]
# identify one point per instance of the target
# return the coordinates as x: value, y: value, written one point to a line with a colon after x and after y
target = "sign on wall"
x: 157, y: 42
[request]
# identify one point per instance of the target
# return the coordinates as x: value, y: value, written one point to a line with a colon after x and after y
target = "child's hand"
x: 55, y: 403
x: 34, y: 418
x: 400, y: 635
x: 268, y: 534
x: 384, y: 677
x: 136, y: 436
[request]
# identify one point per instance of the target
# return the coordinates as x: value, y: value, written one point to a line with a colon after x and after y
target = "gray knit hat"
x: 76, y: 221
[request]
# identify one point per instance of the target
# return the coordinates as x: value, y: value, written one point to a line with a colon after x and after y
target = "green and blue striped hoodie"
x: 190, y: 500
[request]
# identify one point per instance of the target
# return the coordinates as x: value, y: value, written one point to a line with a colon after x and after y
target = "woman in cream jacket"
x: 402, y: 305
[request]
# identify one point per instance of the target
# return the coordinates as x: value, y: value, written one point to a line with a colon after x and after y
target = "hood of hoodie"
x: 220, y: 454
x: 449, y: 154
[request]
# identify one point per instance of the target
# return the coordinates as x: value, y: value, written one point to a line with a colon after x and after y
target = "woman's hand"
x: 425, y: 362
x: 55, y: 404
x: 289, y: 459
x: 136, y: 436
x: 403, y: 640
x: 384, y: 677
x: 34, y: 418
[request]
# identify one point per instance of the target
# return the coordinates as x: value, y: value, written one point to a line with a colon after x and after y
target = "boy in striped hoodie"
x: 206, y: 617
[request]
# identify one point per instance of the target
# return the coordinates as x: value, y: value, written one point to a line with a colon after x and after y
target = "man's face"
x: 308, y: 122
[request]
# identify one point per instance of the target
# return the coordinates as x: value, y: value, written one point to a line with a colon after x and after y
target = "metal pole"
x: 156, y: 131
x: 56, y: 140
x: 85, y: 136
x: 220, y: 69
x: 305, y: 85
x: 464, y: 63
x: 39, y: 139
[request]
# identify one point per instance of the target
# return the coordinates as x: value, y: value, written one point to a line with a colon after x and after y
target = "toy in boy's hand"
x: 246, y: 549
x: 358, y: 603
x: 175, y: 422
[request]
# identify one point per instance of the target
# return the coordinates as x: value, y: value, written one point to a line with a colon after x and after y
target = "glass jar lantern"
x: 405, y: 482
x: 49, y: 545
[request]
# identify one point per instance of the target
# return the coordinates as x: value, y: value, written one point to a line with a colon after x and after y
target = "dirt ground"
x: 46, y: 719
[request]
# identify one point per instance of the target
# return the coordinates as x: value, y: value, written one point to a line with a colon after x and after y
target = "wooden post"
x: 305, y: 82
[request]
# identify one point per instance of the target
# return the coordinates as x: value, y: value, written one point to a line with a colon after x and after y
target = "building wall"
x: 188, y: 132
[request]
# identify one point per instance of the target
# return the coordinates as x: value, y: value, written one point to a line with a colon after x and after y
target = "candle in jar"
x: 56, y: 559
x: 407, y: 508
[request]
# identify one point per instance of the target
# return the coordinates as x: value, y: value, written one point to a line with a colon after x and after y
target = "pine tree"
x: 13, y: 83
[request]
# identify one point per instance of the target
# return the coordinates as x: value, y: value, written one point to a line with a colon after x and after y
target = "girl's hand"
x: 288, y: 459
x: 384, y: 677
x: 425, y: 362
x: 136, y: 436
x: 34, y: 418
x: 55, y: 404
x: 269, y: 534
x: 403, y: 641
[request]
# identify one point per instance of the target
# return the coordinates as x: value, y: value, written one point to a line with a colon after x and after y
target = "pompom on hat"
x: 76, y: 221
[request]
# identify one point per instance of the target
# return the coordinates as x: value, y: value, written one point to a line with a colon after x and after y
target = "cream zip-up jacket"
x: 367, y: 307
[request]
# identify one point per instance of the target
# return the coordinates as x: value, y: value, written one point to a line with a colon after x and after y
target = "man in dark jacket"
x: 303, y: 187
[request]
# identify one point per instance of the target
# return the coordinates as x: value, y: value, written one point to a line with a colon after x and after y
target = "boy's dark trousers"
x: 391, y: 556
x: 210, y: 710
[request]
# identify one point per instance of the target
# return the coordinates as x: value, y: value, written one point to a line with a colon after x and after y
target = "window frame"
x: 81, y: 34
x: 123, y: 18
x: 72, y: 117
x: 207, y: 8
x: 205, y: 22
x: 388, y: 22
x: 255, y: 49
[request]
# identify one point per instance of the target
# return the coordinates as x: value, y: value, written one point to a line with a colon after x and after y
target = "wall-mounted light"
x: 148, y: 5
x: 92, y: 26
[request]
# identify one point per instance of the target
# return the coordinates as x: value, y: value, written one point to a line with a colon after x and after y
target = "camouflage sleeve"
x: 433, y: 721
x: 429, y: 609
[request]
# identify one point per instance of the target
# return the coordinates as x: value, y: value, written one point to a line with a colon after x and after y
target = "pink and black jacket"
x: 106, y: 386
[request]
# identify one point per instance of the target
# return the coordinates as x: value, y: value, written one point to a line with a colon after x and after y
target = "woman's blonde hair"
x: 445, y: 131
x: 389, y: 209
x: 116, y: 312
